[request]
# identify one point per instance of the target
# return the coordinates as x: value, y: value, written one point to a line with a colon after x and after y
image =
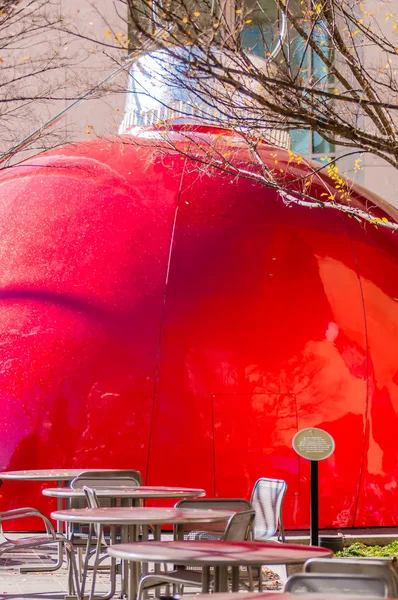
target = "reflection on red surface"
x: 187, y: 324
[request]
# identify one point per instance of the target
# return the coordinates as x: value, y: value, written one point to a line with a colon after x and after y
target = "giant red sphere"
x: 186, y: 322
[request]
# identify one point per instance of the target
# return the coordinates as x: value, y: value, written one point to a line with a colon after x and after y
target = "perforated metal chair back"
x: 267, y: 500
x: 214, y: 531
x: 352, y: 566
x: 239, y: 526
x: 104, y: 479
x: 332, y: 583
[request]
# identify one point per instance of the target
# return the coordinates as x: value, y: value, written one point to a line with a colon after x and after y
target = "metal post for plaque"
x: 314, y: 445
x: 314, y: 505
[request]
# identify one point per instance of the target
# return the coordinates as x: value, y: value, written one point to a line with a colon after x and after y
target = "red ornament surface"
x: 186, y: 323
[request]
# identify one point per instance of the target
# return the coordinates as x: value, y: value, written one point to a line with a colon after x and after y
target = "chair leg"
x: 70, y: 574
x: 250, y: 577
x: 80, y: 561
x: 235, y: 579
x: 74, y: 567
x: 96, y: 561
x: 260, y: 580
x: 87, y: 558
x: 281, y: 535
x: 73, y: 579
x: 141, y: 589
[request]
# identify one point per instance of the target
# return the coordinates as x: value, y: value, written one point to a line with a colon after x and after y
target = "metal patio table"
x: 136, y: 493
x: 130, y: 519
x: 217, y: 554
x: 46, y: 474
x: 60, y: 476
x: 140, y: 492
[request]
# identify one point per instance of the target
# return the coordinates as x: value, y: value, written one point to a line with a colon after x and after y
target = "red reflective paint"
x: 187, y: 323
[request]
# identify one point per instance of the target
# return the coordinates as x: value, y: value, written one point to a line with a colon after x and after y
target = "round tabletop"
x: 47, y: 474
x: 218, y: 553
x: 141, y: 491
x: 140, y: 516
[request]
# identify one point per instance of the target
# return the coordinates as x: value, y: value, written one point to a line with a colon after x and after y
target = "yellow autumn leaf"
x: 185, y: 20
x: 196, y: 14
x: 108, y: 33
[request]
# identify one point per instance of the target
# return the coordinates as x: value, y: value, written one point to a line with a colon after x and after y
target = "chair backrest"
x: 213, y: 530
x: 352, y: 566
x: 239, y: 526
x: 93, y: 502
x: 103, y: 479
x: 332, y: 583
x: 267, y: 500
x: 91, y: 497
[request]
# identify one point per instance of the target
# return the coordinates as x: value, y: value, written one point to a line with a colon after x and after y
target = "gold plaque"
x: 313, y: 444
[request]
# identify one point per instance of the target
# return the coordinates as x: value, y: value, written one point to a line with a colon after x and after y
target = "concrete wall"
x: 88, y: 63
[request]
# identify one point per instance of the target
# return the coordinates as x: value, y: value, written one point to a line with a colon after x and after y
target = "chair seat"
x: 204, y: 535
x: 181, y: 576
x: 30, y: 541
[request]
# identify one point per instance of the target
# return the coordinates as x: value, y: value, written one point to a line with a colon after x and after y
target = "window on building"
x: 259, y: 36
x: 258, y: 23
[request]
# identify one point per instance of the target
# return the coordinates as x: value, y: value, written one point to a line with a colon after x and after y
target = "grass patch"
x: 360, y: 549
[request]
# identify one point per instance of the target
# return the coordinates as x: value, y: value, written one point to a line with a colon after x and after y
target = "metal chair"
x: 351, y: 566
x: 239, y: 527
x: 104, y: 479
x: 96, y: 480
x: 96, y: 536
x: 267, y: 500
x: 40, y: 540
x: 214, y: 531
x: 332, y: 583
